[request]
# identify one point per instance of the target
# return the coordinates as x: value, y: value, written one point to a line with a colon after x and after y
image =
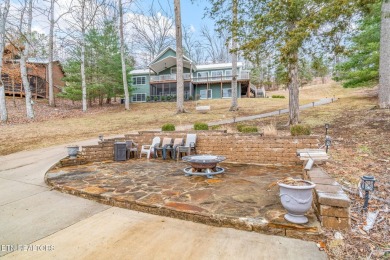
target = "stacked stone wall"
x: 331, y: 203
x: 236, y: 147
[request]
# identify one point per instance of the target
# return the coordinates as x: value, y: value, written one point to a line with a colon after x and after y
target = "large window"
x: 227, y: 93
x: 205, y: 94
x: 139, y: 80
x: 138, y: 97
x: 228, y: 74
x: 217, y: 75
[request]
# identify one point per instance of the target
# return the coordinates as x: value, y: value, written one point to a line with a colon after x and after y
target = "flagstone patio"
x: 239, y: 198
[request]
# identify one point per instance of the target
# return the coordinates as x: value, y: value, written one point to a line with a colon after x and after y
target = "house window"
x: 206, y: 93
x: 138, y: 97
x: 227, y: 93
x: 203, y: 74
x: 173, y: 70
x: 216, y: 75
x: 228, y: 74
x: 139, y: 80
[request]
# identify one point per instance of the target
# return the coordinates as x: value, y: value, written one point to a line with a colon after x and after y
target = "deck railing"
x: 244, y: 75
x: 169, y: 77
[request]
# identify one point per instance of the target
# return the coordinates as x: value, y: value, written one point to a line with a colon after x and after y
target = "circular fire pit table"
x: 205, y: 165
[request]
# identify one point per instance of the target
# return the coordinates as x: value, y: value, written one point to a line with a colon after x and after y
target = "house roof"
x: 159, y: 63
x: 217, y: 66
x: 141, y: 72
x: 39, y: 60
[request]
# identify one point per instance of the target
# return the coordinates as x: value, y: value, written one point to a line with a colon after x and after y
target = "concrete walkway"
x: 62, y: 226
x: 321, y: 102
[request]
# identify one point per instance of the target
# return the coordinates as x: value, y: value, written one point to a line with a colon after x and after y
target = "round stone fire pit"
x: 205, y: 165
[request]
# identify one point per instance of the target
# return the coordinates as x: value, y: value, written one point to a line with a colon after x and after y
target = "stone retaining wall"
x: 236, y: 147
x: 330, y: 201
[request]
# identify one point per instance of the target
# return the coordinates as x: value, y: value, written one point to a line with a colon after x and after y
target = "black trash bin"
x: 120, y: 151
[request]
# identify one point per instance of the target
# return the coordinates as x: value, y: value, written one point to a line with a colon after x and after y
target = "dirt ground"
x: 360, y: 135
x: 66, y: 123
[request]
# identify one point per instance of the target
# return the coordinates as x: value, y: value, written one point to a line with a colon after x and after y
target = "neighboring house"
x: 203, y: 81
x: 37, y: 73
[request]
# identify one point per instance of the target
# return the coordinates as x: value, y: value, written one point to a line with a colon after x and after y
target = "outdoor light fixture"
x: 367, y: 184
x: 101, y: 138
x: 328, y: 142
x: 326, y: 128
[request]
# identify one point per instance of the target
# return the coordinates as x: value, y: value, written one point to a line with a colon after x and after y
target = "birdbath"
x: 204, y: 165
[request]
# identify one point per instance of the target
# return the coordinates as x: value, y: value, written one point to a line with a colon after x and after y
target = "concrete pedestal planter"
x: 73, y: 150
x: 296, y: 198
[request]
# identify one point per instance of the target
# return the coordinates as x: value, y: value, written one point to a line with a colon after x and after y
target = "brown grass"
x: 270, y: 130
x: 61, y: 127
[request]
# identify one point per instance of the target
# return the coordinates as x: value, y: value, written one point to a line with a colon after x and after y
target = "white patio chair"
x: 189, y: 146
x: 148, y: 149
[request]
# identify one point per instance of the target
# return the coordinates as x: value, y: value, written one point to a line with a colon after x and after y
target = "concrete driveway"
x: 36, y: 222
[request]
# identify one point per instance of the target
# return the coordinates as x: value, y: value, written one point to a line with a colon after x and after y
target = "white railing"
x: 241, y: 76
x: 187, y: 76
x: 169, y: 77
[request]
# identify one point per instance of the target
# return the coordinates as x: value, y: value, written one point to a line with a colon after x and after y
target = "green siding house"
x: 200, y: 81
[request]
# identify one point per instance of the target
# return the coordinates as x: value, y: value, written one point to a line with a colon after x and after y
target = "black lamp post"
x: 328, y: 142
x: 367, y: 185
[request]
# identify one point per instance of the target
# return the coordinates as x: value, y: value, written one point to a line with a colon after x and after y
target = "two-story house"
x: 200, y: 81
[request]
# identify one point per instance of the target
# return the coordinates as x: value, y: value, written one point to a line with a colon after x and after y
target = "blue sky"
x: 193, y: 14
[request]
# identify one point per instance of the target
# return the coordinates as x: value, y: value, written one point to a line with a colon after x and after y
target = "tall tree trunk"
x: 179, y: 60
x: 293, y: 88
x: 3, y: 19
x: 13, y: 91
x: 234, y: 104
x: 384, y: 63
x: 23, y: 68
x: 124, y: 71
x: 82, y: 67
x: 51, y: 47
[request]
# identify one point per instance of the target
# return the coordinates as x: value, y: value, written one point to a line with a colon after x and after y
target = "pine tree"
x: 361, y: 67
x: 103, y: 67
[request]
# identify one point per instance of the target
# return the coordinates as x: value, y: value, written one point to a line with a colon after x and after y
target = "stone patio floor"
x: 238, y: 198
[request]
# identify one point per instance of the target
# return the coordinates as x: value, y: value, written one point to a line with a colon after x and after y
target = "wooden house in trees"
x: 37, y: 72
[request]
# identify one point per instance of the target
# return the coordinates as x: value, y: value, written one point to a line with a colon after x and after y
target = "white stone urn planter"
x: 296, y: 198
x: 73, y: 150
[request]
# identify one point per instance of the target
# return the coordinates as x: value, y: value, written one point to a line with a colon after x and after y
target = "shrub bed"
x: 201, y: 126
x: 296, y: 130
x: 168, y: 127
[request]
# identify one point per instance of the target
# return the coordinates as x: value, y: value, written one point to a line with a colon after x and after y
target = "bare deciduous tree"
x: 215, y: 46
x: 152, y: 32
x: 179, y: 59
x: 24, y: 56
x: 384, y: 64
x: 52, y: 21
x: 234, y: 104
x: 123, y: 61
x: 3, y: 18
x: 192, y: 47
x: 82, y: 17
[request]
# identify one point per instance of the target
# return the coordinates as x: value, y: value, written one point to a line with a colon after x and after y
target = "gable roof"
x: 161, y: 63
x: 164, y: 51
